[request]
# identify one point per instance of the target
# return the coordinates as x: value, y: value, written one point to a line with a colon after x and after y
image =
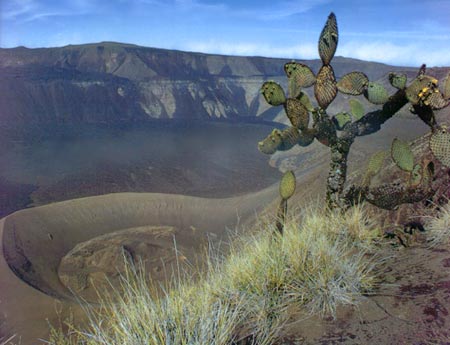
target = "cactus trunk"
x: 337, y: 174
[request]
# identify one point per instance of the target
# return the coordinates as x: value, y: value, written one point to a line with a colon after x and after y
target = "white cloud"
x: 30, y: 10
x: 379, y: 51
x: 396, y: 54
x: 281, y: 9
x: 15, y: 8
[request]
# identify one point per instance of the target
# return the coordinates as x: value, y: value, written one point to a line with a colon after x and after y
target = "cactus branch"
x: 372, y: 121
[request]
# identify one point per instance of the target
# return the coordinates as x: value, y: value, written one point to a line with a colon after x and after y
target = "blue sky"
x: 398, y: 32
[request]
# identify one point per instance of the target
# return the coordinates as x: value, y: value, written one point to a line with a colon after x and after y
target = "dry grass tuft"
x: 439, y: 227
x: 323, y: 259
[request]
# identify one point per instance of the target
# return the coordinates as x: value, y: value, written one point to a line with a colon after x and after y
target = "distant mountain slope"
x: 113, y: 82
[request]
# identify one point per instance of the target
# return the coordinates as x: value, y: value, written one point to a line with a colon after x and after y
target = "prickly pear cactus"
x: 342, y: 119
x: 435, y: 100
x: 299, y: 76
x: 273, y: 93
x: 353, y: 83
x: 398, y: 80
x: 271, y: 143
x: 287, y: 185
x: 416, y: 175
x: 402, y: 155
x: 310, y: 121
x: 297, y: 113
x: 356, y: 108
x: 374, y: 166
x: 440, y: 145
x: 446, y: 87
x: 307, y: 137
x: 420, y: 87
x: 303, y: 97
x: 328, y: 40
x: 376, y: 93
x: 325, y: 89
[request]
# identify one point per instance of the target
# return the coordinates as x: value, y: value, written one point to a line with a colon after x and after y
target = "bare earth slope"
x: 34, y: 241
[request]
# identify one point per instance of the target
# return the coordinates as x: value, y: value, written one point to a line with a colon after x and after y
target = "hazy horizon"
x: 406, y: 33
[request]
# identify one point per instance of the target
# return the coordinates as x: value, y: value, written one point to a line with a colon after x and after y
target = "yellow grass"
x: 324, y: 259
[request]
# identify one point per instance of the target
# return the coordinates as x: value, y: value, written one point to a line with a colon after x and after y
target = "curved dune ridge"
x: 53, y: 251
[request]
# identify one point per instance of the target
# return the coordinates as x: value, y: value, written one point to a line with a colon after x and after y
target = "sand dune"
x: 42, y: 246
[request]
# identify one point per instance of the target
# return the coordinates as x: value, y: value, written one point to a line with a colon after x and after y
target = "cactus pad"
x: 297, y: 113
x: 416, y: 175
x: 375, y: 162
x: 325, y: 89
x: 374, y: 166
x: 420, y: 86
x: 300, y: 76
x: 328, y: 40
x: 287, y: 185
x: 446, y: 87
x: 353, y: 83
x: 435, y: 100
x: 356, y: 108
x: 342, y: 119
x: 398, y: 80
x: 440, y: 145
x: 303, y: 97
x: 402, y: 155
x: 271, y: 143
x: 273, y: 93
x: 376, y: 93
x: 306, y: 137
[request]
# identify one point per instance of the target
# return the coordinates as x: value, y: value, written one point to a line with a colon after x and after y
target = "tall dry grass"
x: 259, y: 283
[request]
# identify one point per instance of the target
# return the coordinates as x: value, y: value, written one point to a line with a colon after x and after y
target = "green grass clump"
x: 323, y: 259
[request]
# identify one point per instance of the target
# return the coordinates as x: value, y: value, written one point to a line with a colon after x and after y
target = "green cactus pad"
x: 420, y: 87
x: 300, y: 76
x: 325, y: 89
x: 353, y: 83
x: 271, y: 143
x: 374, y: 166
x: 303, y: 97
x: 328, y: 40
x: 356, y: 108
x: 398, y: 80
x: 306, y: 137
x: 289, y: 138
x: 297, y: 113
x: 402, y: 155
x: 287, y: 185
x: 376, y: 93
x: 440, y: 145
x: 446, y: 87
x: 376, y: 162
x: 435, y: 100
x: 342, y: 119
x: 273, y: 93
x: 416, y: 175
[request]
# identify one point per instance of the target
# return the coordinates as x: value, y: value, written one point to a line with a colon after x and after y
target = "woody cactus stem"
x: 337, y: 174
x: 368, y: 124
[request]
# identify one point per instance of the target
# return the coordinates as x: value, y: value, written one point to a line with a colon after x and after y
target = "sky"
x: 397, y: 32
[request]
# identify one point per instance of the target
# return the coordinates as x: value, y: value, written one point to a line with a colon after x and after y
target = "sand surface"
x: 51, y: 251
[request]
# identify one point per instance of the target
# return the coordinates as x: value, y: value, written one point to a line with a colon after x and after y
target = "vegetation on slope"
x: 322, y: 260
